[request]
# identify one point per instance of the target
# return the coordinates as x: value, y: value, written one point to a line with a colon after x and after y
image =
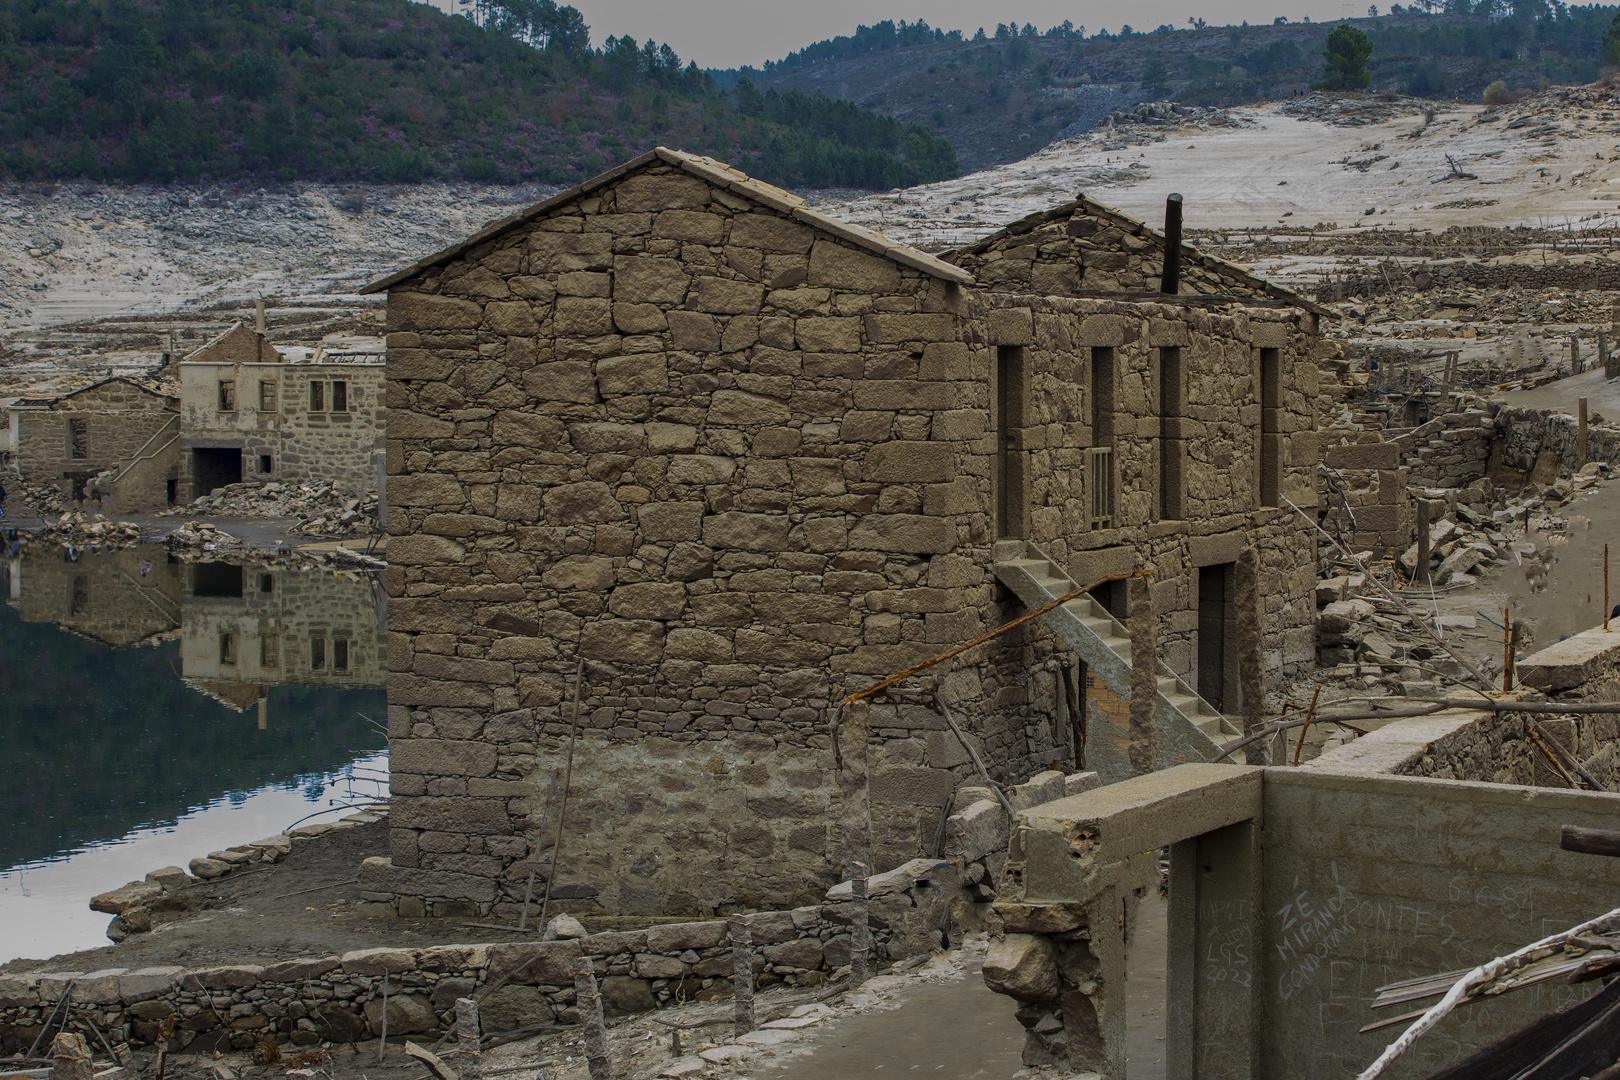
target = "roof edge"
x: 721, y: 176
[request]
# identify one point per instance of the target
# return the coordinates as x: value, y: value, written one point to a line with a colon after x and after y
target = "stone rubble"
x: 321, y: 509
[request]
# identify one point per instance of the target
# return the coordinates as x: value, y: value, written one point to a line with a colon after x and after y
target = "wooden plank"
x: 1531, y: 1044
x: 1590, y: 841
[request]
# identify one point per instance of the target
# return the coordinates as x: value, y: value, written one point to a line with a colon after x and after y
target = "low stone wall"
x: 340, y: 998
x: 1513, y: 446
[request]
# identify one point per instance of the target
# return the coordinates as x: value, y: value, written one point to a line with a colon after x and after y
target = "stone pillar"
x: 70, y: 1057
x: 1250, y: 659
x: 1144, y: 677
x: 1580, y: 433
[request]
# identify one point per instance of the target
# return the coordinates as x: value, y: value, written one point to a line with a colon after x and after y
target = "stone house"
x: 729, y: 459
x: 69, y: 439
x: 251, y: 412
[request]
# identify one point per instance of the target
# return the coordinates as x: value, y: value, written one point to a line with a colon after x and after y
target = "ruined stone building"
x: 734, y: 459
x: 67, y: 440
x: 237, y: 410
x: 254, y: 413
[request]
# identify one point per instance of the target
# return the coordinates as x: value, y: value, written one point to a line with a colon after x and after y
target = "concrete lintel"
x: 1214, y: 550
x: 1071, y: 847
x: 1572, y: 661
x: 1396, y: 745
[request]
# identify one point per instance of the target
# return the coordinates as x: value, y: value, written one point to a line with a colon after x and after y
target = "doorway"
x: 1215, y: 678
x: 215, y: 467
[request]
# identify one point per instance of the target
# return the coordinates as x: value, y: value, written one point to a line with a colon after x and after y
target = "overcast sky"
x: 730, y: 33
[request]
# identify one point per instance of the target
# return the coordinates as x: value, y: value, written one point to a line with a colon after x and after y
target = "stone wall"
x: 737, y: 461
x: 120, y: 417
x: 1512, y: 446
x: 340, y: 998
x: 107, y: 599
x: 1367, y: 505
x: 1085, y: 246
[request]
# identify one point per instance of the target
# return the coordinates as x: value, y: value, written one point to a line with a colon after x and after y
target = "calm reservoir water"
x: 153, y: 711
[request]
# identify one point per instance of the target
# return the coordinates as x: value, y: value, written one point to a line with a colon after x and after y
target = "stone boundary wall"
x: 340, y: 998
x: 1508, y: 444
x: 1398, y: 278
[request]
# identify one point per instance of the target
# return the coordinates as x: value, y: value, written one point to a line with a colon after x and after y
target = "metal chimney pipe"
x: 1170, y: 283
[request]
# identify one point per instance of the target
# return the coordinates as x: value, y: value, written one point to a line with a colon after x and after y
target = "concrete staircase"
x: 1191, y: 728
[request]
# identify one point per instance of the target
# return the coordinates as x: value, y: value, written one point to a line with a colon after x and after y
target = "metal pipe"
x: 1170, y: 283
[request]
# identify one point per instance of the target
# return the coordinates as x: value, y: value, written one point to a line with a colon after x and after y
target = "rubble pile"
x: 1342, y: 110
x: 1363, y: 635
x: 89, y: 532
x: 201, y: 536
x: 321, y: 509
x: 42, y: 498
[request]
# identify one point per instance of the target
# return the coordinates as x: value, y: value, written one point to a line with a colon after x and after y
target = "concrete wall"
x: 1294, y: 894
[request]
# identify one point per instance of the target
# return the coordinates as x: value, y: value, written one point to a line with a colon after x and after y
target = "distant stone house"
x: 254, y: 413
x: 237, y: 410
x: 67, y: 440
x: 732, y: 459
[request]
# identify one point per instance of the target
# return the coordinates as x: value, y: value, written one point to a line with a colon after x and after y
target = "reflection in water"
x: 164, y: 687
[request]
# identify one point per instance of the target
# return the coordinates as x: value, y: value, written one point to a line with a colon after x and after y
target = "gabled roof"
x: 236, y: 338
x: 1092, y: 208
x: 40, y: 401
x: 714, y: 172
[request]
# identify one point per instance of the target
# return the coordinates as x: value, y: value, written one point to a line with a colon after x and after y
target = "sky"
x: 731, y: 33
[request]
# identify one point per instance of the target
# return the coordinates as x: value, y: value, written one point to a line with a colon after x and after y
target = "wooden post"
x: 469, y: 1065
x: 1078, y: 720
x: 1580, y: 431
x: 861, y: 931
x: 742, y: 974
x: 1605, y: 588
x: 589, y: 1004
x: 1420, y: 571
x: 382, y: 1042
x: 1507, y: 653
x: 1513, y: 651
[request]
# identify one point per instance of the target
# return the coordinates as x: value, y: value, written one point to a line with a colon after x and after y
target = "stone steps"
x: 1104, y: 644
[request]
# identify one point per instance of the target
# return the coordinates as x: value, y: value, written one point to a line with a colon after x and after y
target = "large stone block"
x: 544, y: 963
x: 647, y: 280
x: 835, y: 266
x: 1024, y: 967
x: 585, y: 503
x: 648, y: 600
x: 425, y: 489
x: 896, y: 328
x: 911, y: 786
x: 692, y: 226
x: 413, y: 311
x: 1010, y: 326
x: 678, y: 937
x: 768, y: 232
x: 639, y: 318
x: 530, y: 430
x: 903, y: 394
x: 1380, y: 455
x: 723, y: 297
x: 643, y: 373
x: 656, y: 192
x: 425, y: 550
x: 911, y: 533
x: 583, y: 316
x: 841, y: 335
x: 511, y: 1008
x: 561, y: 380
x: 978, y: 830
x: 728, y: 407
x: 693, y: 331
x: 441, y: 757
x: 148, y: 984
x: 511, y: 317
x: 449, y: 814
x: 407, y: 1014
x: 802, y: 953
x: 748, y: 532
x: 583, y: 573
x: 623, y: 641
x: 911, y: 462
x: 561, y: 252
x: 384, y: 961
x: 134, y: 894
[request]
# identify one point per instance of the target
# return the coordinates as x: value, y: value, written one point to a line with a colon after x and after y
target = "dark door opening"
x: 214, y: 467
x: 216, y: 579
x: 1214, y: 615
x: 173, y: 490
x: 1010, y: 495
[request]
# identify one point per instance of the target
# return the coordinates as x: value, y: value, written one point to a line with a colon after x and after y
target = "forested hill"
x: 394, y: 91
x: 1000, y: 93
